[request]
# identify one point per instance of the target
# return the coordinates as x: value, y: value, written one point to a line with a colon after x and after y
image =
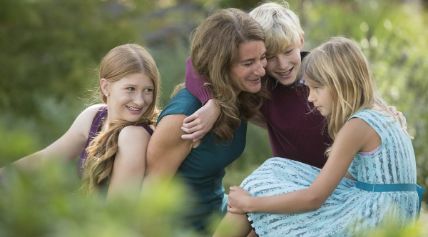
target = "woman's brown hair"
x: 214, y: 49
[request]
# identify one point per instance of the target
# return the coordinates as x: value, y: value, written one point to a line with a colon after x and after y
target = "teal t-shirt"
x: 203, y: 169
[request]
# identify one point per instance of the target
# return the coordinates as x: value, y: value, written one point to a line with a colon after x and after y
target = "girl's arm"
x: 166, y: 150
x: 130, y: 162
x: 355, y: 136
x: 68, y: 146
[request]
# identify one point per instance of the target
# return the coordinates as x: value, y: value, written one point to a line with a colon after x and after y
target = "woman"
x: 227, y: 47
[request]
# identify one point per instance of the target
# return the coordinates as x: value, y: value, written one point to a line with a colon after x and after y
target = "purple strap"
x: 95, y: 129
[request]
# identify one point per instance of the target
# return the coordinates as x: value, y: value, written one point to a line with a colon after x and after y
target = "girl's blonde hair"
x: 214, y: 49
x: 340, y: 65
x: 119, y: 62
x: 280, y: 24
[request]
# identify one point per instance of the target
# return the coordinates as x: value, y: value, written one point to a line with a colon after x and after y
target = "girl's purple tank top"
x: 96, y: 126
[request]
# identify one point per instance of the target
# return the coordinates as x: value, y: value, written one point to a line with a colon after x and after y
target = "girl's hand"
x: 197, y: 125
x: 239, y: 200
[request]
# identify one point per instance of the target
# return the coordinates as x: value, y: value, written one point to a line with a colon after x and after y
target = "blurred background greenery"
x: 50, y: 49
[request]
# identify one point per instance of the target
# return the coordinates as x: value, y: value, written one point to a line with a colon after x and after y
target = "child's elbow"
x: 314, y: 201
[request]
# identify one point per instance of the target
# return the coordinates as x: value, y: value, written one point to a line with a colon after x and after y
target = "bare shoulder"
x: 359, y: 133
x: 358, y: 126
x: 357, y: 123
x: 83, y: 121
x: 168, y: 132
x: 133, y: 134
x: 172, y: 121
x: 88, y: 114
x: 169, y: 128
x: 90, y: 111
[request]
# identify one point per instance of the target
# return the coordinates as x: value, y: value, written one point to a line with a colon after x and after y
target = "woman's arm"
x: 355, y: 136
x: 68, y: 146
x: 130, y: 162
x: 166, y: 150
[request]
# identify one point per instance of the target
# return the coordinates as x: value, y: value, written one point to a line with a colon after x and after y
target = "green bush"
x: 47, y: 202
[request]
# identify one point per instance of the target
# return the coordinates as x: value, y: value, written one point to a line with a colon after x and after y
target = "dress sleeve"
x: 195, y: 84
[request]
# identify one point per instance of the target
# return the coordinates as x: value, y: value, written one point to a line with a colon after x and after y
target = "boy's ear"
x: 104, y: 85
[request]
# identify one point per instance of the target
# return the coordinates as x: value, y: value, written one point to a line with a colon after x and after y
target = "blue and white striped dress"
x: 349, y: 209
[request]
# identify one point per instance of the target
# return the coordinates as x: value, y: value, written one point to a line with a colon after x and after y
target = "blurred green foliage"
x: 50, y: 51
x: 392, y: 228
x: 47, y: 203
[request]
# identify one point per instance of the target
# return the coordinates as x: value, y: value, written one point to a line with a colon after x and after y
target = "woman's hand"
x: 197, y: 125
x: 239, y: 200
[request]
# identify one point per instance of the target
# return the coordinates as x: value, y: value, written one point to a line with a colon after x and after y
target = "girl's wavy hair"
x: 214, y: 49
x: 119, y: 62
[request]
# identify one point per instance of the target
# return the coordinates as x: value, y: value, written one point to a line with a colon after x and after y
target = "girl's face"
x: 129, y: 97
x: 250, y: 66
x: 319, y: 96
x: 284, y: 66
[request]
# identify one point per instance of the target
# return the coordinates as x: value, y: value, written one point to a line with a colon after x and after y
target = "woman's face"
x: 129, y: 97
x: 248, y: 70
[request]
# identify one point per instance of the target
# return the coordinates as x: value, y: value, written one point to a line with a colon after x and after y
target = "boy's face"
x: 285, y: 66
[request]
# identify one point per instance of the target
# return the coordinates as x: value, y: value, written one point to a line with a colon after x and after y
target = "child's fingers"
x: 191, y: 128
x: 190, y: 118
x: 192, y: 123
x: 194, y: 136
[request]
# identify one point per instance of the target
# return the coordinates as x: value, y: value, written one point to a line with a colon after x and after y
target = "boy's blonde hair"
x: 280, y: 24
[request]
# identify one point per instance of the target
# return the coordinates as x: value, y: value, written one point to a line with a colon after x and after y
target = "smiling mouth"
x: 285, y: 73
x: 256, y: 80
x: 132, y: 108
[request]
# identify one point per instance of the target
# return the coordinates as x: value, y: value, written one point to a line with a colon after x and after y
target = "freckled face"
x: 319, y: 95
x: 129, y: 97
x: 249, y: 68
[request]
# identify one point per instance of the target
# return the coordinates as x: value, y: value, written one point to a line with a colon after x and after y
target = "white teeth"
x: 285, y: 72
x: 133, y: 108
